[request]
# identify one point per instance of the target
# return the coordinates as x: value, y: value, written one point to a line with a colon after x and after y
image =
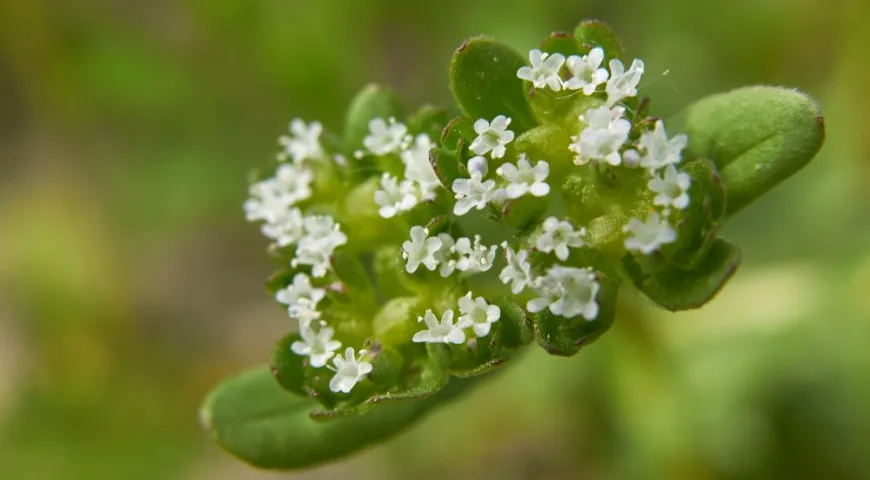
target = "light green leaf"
x: 594, y: 33
x: 373, y: 101
x: 561, y: 42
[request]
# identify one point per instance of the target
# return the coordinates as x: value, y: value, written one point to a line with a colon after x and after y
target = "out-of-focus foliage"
x: 129, y: 282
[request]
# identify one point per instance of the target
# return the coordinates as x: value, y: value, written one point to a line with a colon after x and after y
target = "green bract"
x: 418, y: 252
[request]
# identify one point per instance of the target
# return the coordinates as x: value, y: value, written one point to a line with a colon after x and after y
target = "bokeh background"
x: 130, y: 283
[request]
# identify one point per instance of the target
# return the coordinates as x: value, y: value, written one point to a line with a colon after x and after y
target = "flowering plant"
x: 420, y: 251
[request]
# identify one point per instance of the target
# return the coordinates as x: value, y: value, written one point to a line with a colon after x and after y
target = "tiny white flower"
x: 472, y: 192
x: 659, y: 150
x: 631, y: 158
x: 265, y: 203
x: 323, y: 230
x: 558, y: 236
x: 418, y: 169
x: 300, y: 289
x: 303, y: 311
x: 385, y: 136
x: 318, y: 346
x: 474, y: 257
x: 648, y: 236
x: 623, y: 83
x: 548, y: 289
x: 394, y: 197
x: 587, y: 72
x: 524, y: 178
x: 294, y: 182
x: 477, y: 314
x: 304, y: 141
x: 492, y: 137
x: 420, y: 249
x: 605, y: 133
x: 544, y: 71
x: 315, y: 254
x: 444, y: 331
x: 348, y: 371
x: 285, y: 229
x: 672, y: 190
x: 518, y: 270
x: 443, y: 255
x: 578, y: 291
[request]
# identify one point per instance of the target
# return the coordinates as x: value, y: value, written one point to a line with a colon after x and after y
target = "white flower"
x: 318, y: 346
x: 659, y: 150
x: 314, y: 254
x: 544, y: 70
x: 474, y: 257
x: 578, y: 291
x: 492, y: 137
x: 473, y: 192
x: 548, y: 289
x: 394, y: 197
x: 304, y: 142
x: 385, y: 137
x: 420, y: 249
x: 524, y: 178
x: 558, y: 236
x: 518, y: 270
x: 648, y: 236
x: 603, y: 136
x: 418, y: 169
x: 293, y: 182
x: 348, y: 371
x: 444, y: 331
x: 623, y: 83
x: 271, y: 198
x: 672, y: 189
x: 631, y: 158
x: 322, y: 236
x: 300, y: 289
x: 478, y: 314
x: 444, y: 253
x: 303, y: 311
x: 285, y: 229
x: 586, y: 71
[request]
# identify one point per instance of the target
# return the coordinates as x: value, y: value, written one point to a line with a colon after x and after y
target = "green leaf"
x: 479, y: 370
x: 561, y: 42
x: 373, y: 101
x: 525, y: 212
x: 446, y: 166
x: 594, y: 33
x: 675, y: 289
x: 351, y: 272
x: 698, y: 225
x: 516, y: 326
x: 460, y: 128
x: 483, y: 77
x: 757, y: 136
x: 386, y: 367
x: 287, y: 367
x: 429, y: 120
x: 252, y: 417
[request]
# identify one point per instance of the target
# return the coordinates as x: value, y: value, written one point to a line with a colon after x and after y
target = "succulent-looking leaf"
x: 594, y: 33
x: 373, y: 101
x: 698, y: 225
x: 351, y: 272
x: 479, y: 370
x: 516, y: 327
x: 758, y: 136
x: 524, y: 212
x: 561, y: 42
x: 446, y: 166
x: 675, y: 289
x: 429, y: 120
x: 287, y: 367
x: 483, y: 77
x: 460, y: 128
x: 253, y: 418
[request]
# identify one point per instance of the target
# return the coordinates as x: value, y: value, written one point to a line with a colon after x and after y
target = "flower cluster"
x: 475, y: 313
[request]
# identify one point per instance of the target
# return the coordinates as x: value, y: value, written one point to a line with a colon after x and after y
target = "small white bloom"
x: 443, y: 255
x: 623, y: 83
x: 394, y: 197
x: 323, y: 230
x: 304, y: 141
x: 524, y: 178
x: 318, y: 346
x: 300, y: 289
x: 518, y: 272
x: 659, y: 150
x: 474, y: 257
x: 385, y: 136
x: 558, y: 236
x: 548, y: 289
x: 605, y: 133
x: 293, y: 182
x: 631, y: 158
x: 672, y: 190
x: 586, y: 71
x: 544, y: 71
x: 444, y: 331
x: 420, y: 249
x: 285, y: 229
x: 492, y: 137
x: 271, y: 198
x: 348, y: 371
x: 578, y: 291
x: 648, y: 236
x: 477, y: 314
x: 315, y: 254
x: 303, y: 311
x: 472, y: 192
x: 418, y: 169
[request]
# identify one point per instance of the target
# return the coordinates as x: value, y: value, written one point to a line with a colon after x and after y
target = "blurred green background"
x: 130, y: 283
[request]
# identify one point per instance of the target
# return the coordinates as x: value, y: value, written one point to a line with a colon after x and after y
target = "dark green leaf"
x: 482, y: 369
x: 561, y: 42
x: 351, y: 272
x: 525, y: 212
x: 446, y: 166
x: 460, y: 128
x: 289, y: 368
x: 429, y: 120
x: 516, y: 326
x: 593, y: 33
x: 386, y: 367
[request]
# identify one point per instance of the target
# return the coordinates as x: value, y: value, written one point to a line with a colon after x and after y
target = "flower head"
x: 444, y: 253
x: 304, y: 141
x: 348, y: 371
x: 605, y: 133
x: 518, y: 272
x: 659, y: 150
x: 304, y: 311
x: 444, y: 331
x: 524, y: 178
x: 578, y: 289
x: 418, y: 169
x: 420, y: 249
x: 300, y: 289
x: 623, y: 83
x: 544, y: 71
x: 318, y: 346
x: 477, y: 314
x: 558, y: 236
x: 474, y: 192
x: 586, y: 71
x: 647, y: 236
x: 286, y: 228
x: 394, y: 197
x: 322, y: 236
x: 474, y: 257
x: 385, y: 136
x: 672, y: 189
x: 492, y: 137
